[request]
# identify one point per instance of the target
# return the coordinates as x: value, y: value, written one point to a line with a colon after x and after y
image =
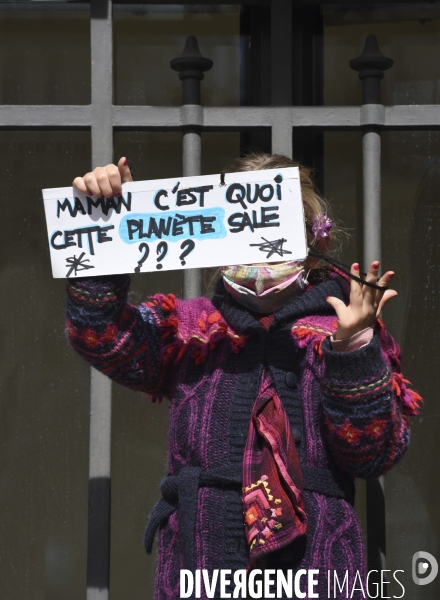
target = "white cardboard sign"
x: 186, y: 222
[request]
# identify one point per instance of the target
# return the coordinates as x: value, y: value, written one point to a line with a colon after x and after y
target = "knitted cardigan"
x: 348, y: 412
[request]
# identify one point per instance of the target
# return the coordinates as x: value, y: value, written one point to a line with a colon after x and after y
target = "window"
x: 83, y: 84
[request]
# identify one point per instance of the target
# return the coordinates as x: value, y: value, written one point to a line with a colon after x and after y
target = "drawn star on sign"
x: 77, y: 264
x: 275, y: 247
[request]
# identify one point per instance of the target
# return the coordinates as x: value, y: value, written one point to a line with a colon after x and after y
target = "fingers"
x: 377, y: 298
x: 355, y: 286
x: 371, y: 295
x: 365, y: 302
x: 372, y: 276
x: 124, y: 170
x: 385, y: 279
x: 373, y: 272
x: 338, y: 306
x: 114, y: 180
x: 80, y: 185
x: 105, y: 181
x: 387, y: 296
x: 91, y: 184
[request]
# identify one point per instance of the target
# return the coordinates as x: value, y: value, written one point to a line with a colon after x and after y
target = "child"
x: 283, y: 388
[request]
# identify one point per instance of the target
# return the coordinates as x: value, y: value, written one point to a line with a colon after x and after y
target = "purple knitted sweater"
x: 348, y: 412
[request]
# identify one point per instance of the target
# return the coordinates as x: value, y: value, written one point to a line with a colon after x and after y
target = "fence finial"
x: 371, y: 64
x: 191, y: 64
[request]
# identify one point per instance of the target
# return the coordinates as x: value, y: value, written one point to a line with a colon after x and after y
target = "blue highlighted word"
x: 173, y: 226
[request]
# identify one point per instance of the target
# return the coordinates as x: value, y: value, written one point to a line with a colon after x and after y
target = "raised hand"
x: 105, y: 181
x: 365, y: 303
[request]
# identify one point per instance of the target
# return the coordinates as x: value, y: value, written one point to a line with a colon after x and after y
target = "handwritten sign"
x: 206, y: 221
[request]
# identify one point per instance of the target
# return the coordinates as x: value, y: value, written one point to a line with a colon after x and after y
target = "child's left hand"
x: 365, y: 304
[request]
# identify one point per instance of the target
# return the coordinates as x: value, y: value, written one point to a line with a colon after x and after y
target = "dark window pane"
x: 405, y: 32
x: 44, y: 385
x: 411, y: 234
x: 410, y: 247
x: 146, y: 40
x: 343, y: 189
x: 44, y: 56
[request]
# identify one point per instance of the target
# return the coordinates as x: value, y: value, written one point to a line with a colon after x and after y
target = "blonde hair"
x: 314, y: 204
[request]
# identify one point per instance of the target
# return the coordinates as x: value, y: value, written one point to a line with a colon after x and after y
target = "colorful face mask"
x: 264, y: 288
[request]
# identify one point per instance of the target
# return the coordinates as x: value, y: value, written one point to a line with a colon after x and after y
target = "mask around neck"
x: 264, y: 288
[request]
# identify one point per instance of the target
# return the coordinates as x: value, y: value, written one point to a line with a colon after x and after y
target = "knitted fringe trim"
x: 305, y: 333
x: 211, y: 330
x: 411, y: 401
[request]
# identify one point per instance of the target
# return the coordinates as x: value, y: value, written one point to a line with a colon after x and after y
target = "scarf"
x: 273, y: 497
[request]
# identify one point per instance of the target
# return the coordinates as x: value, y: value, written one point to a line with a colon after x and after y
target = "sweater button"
x: 297, y: 436
x: 291, y: 380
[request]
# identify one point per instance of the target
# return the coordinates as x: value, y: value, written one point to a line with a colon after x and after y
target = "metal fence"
x: 283, y: 120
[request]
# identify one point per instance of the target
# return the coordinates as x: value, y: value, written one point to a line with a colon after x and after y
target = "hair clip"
x: 321, y: 226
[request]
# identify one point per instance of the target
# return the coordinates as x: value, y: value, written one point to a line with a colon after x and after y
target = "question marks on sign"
x: 187, y: 246
x: 146, y: 249
x: 161, y: 251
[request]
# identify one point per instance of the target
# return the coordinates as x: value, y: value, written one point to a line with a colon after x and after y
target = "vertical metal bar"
x: 371, y: 64
x: 192, y: 155
x: 98, y: 556
x: 371, y: 152
x: 102, y: 81
x: 192, y: 152
x: 281, y: 75
x: 282, y: 131
x: 191, y: 65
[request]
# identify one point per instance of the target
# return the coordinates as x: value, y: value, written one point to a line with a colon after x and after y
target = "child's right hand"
x: 105, y: 181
